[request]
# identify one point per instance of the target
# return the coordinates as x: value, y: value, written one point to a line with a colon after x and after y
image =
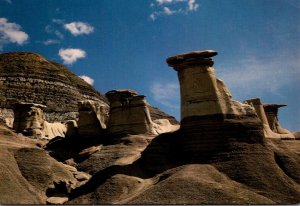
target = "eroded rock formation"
x: 92, y: 118
x: 268, y: 116
x: 129, y: 114
x: 209, y: 116
x: 29, y: 120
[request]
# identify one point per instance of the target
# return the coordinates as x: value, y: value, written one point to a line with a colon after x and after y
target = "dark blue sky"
x: 124, y: 43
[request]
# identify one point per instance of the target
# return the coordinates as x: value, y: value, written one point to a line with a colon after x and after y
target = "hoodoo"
x: 268, y: 116
x: 130, y: 114
x: 209, y: 116
x: 29, y: 119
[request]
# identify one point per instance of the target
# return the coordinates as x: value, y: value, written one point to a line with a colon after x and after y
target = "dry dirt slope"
x: 244, y: 173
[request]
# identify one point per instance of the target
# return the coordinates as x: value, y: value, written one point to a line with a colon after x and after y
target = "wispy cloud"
x: 11, y: 33
x: 70, y: 56
x: 166, y: 93
x: 79, y: 28
x: 50, y: 42
x: 170, y: 7
x: 51, y: 30
x: 87, y: 79
x: 252, y: 76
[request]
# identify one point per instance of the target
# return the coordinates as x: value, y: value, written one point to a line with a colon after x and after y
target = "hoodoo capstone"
x: 209, y: 116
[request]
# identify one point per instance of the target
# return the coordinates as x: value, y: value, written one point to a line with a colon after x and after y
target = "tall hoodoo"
x: 209, y: 116
x: 201, y: 92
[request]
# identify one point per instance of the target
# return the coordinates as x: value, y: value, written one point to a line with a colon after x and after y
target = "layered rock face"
x: 209, y: 116
x: 29, y: 77
x: 268, y: 116
x: 130, y: 114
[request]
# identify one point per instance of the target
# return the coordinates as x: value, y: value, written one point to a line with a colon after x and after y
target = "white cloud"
x: 173, y: 7
x: 164, y: 1
x: 70, y: 56
x: 253, y: 77
x: 166, y: 94
x: 11, y: 33
x: 87, y: 79
x: 192, y: 5
x: 79, y: 28
x: 168, y: 11
x: 8, y: 1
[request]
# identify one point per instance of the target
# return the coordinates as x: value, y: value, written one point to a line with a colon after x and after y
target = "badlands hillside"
x: 63, y: 142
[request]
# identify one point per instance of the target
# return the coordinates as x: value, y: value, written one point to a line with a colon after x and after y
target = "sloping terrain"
x: 122, y: 173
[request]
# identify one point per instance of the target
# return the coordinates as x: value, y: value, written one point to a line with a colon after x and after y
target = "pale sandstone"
x: 201, y: 92
x: 276, y: 132
x: 29, y: 120
x: 129, y: 114
x: 57, y: 200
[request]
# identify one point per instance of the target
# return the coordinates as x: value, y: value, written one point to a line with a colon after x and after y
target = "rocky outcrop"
x: 29, y: 120
x: 93, y: 118
x: 268, y: 116
x: 129, y: 114
x: 209, y: 116
x: 29, y: 77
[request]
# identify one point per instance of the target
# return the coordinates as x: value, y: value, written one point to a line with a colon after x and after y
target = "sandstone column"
x: 268, y: 116
x: 271, y: 111
x: 198, y: 84
x: 209, y: 116
x: 129, y: 113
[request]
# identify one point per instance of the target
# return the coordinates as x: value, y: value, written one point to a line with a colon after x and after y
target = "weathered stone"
x: 71, y: 128
x: 29, y: 120
x: 82, y: 176
x: 271, y: 111
x: 272, y: 128
x: 92, y: 118
x: 89, y: 151
x: 201, y: 92
x: 57, y: 200
x: 209, y: 115
x: 130, y: 114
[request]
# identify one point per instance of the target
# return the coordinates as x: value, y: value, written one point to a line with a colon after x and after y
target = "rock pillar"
x: 129, y: 113
x: 209, y: 116
x: 271, y: 111
x: 268, y: 116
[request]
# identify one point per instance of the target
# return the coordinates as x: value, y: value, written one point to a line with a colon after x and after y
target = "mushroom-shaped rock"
x: 209, y: 115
